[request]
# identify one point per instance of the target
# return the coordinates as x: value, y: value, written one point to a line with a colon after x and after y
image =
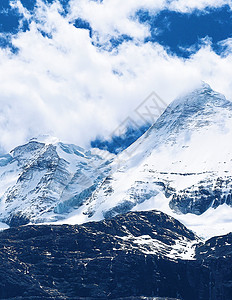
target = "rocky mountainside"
x: 132, y: 256
x: 44, y: 181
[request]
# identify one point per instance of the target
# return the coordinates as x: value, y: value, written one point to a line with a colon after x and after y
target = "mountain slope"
x: 44, y: 181
x: 181, y: 165
x: 111, y: 259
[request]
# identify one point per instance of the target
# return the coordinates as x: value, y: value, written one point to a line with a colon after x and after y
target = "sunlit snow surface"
x: 189, y: 146
x: 186, y: 151
x: 3, y: 226
x: 183, y: 249
x: 44, y: 181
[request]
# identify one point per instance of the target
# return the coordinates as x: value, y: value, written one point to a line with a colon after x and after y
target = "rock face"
x: 216, y: 254
x: 136, y: 255
x: 44, y: 181
x: 198, y: 198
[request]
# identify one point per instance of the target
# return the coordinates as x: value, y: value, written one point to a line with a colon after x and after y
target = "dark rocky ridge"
x: 103, y: 260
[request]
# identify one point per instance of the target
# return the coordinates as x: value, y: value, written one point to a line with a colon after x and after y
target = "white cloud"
x: 187, y: 6
x: 65, y: 86
x: 114, y: 17
x: 16, y: 4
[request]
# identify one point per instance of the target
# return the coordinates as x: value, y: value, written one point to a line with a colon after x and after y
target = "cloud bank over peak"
x: 60, y: 82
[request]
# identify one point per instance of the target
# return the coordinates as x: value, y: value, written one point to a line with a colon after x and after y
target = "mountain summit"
x: 182, y: 166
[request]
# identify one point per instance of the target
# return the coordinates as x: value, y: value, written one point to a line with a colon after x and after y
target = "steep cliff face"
x: 132, y: 256
x: 43, y: 182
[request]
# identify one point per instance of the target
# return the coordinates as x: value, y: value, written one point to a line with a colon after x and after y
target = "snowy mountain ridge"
x: 182, y: 166
x: 42, y: 182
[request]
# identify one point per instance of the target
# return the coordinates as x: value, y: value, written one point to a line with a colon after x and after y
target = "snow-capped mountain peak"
x: 44, y: 181
x: 181, y: 165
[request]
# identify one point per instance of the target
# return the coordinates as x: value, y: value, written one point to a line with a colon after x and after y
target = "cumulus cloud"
x: 114, y: 17
x: 59, y: 83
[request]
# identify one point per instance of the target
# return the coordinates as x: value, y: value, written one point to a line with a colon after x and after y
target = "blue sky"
x: 184, y: 33
x: 181, y: 33
x: 86, y: 65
